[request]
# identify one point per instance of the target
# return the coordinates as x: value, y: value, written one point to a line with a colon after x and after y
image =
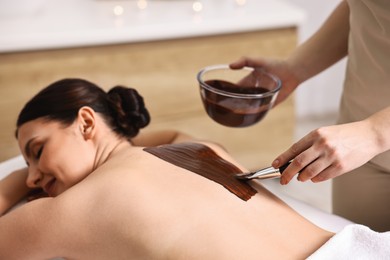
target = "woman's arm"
x: 32, y: 231
x: 160, y: 137
x: 12, y: 189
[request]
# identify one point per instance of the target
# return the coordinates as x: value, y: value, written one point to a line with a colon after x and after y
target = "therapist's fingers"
x: 238, y: 64
x: 314, y: 170
x: 298, y: 166
x: 248, y: 62
x: 314, y: 158
x: 332, y: 171
x: 302, y: 153
x: 292, y: 152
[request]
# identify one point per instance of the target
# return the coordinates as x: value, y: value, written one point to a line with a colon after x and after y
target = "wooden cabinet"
x: 164, y: 72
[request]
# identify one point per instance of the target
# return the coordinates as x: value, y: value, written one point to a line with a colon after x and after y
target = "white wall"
x: 318, y: 97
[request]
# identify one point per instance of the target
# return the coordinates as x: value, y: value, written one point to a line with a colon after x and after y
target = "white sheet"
x: 323, y: 219
x: 355, y: 242
x: 10, y: 165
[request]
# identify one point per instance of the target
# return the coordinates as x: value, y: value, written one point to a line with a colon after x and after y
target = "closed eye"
x: 39, y: 153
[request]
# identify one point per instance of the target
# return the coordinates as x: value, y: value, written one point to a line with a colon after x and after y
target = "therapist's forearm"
x: 326, y: 47
x: 380, y: 125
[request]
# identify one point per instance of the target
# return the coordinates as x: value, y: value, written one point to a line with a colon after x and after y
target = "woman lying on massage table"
x: 111, y: 199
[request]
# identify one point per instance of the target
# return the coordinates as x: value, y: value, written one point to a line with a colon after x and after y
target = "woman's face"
x: 58, y: 157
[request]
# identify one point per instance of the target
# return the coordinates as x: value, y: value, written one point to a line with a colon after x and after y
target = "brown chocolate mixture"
x: 227, y: 111
x: 200, y: 159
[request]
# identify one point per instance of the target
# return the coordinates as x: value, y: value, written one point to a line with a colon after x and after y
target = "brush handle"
x: 266, y: 173
x: 284, y: 166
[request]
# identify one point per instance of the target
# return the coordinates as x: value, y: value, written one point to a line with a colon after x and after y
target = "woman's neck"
x: 107, y: 148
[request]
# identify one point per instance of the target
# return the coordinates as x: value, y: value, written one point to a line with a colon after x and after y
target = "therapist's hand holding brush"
x: 328, y: 152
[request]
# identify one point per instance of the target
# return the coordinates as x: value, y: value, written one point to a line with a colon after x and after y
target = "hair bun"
x: 129, y: 113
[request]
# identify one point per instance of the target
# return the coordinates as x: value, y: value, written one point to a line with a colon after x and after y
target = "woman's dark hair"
x: 122, y: 108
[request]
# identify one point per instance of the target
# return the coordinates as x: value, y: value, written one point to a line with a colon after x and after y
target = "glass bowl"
x: 239, y: 97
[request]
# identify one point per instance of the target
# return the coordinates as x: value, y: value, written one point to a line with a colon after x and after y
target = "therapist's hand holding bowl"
x: 239, y: 97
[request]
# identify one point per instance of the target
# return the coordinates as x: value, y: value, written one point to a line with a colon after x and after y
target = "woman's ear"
x: 87, y: 121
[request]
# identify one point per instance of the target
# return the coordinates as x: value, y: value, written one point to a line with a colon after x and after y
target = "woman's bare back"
x: 138, y: 206
x: 148, y: 208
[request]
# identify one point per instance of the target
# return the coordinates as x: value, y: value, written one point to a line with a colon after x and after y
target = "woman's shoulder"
x: 222, y: 152
x: 197, y: 148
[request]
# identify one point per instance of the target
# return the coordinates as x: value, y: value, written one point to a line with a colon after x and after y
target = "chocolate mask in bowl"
x: 237, y: 98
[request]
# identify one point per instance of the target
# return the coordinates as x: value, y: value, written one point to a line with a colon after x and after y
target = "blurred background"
x: 166, y: 43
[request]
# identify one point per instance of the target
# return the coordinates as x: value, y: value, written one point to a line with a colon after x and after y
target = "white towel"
x: 355, y: 242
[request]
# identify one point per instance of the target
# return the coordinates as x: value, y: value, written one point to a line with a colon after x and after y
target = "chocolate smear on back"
x: 200, y: 159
